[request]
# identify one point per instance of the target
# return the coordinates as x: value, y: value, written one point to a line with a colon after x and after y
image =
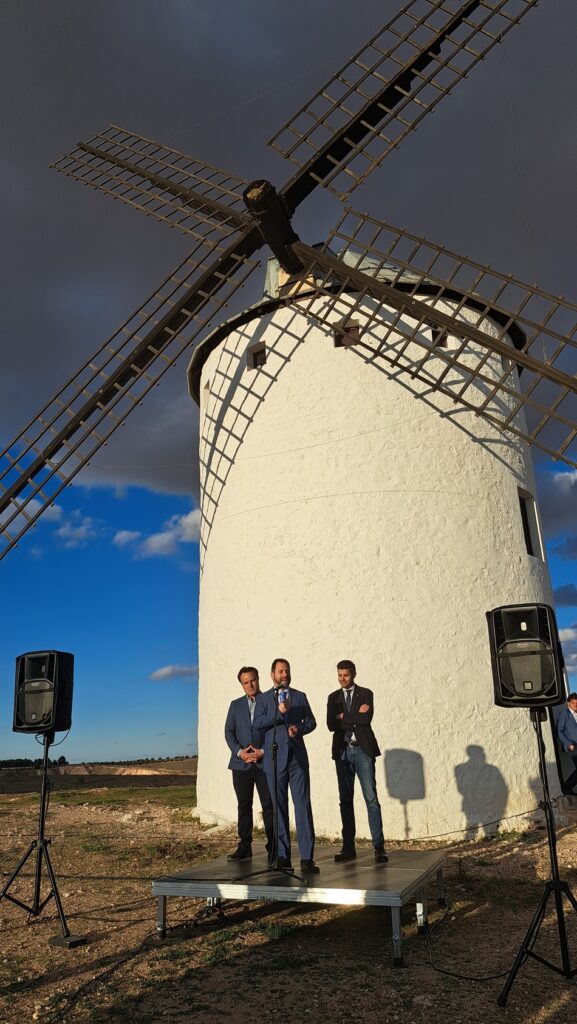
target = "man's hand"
x: 364, y: 708
x: 284, y: 707
x: 571, y: 746
x: 341, y: 715
x: 293, y: 730
x: 248, y: 755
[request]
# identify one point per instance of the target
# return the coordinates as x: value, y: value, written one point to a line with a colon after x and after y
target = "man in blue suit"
x: 245, y: 742
x: 567, y: 733
x: 285, y: 717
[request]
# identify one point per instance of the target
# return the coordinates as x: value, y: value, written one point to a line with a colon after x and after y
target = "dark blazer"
x: 355, y: 721
x: 239, y: 733
x: 299, y: 714
x: 567, y: 729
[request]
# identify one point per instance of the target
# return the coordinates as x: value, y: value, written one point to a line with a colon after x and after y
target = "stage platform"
x: 360, y: 882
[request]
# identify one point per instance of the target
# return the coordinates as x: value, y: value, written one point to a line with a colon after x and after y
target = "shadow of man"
x: 484, y: 792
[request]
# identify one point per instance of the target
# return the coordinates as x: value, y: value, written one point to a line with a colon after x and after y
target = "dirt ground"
x: 268, y: 961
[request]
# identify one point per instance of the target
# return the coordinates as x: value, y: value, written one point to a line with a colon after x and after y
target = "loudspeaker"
x: 43, y: 692
x: 526, y: 656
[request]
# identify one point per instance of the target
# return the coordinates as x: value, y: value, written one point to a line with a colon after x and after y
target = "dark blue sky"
x: 114, y: 576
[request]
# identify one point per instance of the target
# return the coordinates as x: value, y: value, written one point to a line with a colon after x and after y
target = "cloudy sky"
x: 112, y: 574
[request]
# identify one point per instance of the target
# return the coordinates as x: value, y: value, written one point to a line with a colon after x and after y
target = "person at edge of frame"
x: 567, y: 733
x: 246, y: 764
x: 290, y: 710
x: 354, y: 750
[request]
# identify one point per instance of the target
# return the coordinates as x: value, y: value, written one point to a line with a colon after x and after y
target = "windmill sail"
x: 194, y: 197
x: 523, y: 363
x: 62, y: 438
x: 382, y: 94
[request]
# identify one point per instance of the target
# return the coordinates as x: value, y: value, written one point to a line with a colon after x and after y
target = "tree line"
x: 28, y: 762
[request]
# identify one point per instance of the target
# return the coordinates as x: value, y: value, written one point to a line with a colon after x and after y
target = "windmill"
x: 477, y: 348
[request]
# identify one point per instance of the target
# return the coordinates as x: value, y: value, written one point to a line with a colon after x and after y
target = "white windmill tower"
x: 351, y: 510
x: 367, y: 487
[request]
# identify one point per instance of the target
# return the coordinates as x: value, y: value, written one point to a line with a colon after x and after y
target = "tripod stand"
x: 554, y: 887
x: 40, y: 845
x: 273, y: 864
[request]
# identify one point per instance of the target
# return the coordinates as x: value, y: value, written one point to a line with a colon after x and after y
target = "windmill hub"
x: 271, y: 212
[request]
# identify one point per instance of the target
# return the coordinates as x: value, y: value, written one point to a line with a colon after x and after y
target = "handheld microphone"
x: 282, y: 696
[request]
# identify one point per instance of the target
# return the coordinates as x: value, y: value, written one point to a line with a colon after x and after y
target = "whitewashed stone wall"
x: 351, y: 512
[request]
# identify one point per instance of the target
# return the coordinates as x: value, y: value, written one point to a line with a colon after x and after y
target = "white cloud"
x: 53, y: 514
x: 558, y: 502
x: 179, y: 529
x: 568, y: 638
x: 122, y: 537
x: 188, y: 526
x: 78, y: 530
x: 160, y: 544
x: 173, y: 672
x: 565, y: 480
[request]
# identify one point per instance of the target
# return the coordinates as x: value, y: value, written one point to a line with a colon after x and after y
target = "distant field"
x: 155, y: 774
x: 176, y: 766
x: 162, y: 793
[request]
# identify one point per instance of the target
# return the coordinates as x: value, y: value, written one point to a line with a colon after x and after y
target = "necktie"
x: 251, y: 704
x: 348, y: 704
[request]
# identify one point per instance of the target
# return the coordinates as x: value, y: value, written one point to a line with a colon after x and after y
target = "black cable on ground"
x: 456, y: 974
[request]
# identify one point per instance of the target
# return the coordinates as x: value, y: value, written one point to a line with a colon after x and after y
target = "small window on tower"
x: 256, y: 357
x: 346, y: 333
x: 439, y: 337
x: 530, y: 522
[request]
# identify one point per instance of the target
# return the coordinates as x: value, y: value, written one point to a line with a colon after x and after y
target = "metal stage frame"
x: 359, y: 882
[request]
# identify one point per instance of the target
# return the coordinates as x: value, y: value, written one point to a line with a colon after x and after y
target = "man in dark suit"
x: 284, y: 715
x: 245, y: 742
x: 567, y: 733
x: 349, y: 714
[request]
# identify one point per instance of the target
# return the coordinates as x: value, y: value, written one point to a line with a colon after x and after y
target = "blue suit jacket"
x: 299, y: 714
x: 239, y: 733
x: 566, y: 729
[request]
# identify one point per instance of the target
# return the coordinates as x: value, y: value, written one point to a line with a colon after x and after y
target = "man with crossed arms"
x: 349, y: 715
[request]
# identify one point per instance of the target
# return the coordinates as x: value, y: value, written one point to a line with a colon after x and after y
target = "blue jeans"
x: 352, y: 762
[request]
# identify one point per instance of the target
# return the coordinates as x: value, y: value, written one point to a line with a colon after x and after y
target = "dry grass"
x: 277, y: 961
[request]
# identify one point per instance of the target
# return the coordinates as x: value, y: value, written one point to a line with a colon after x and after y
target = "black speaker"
x: 43, y: 692
x: 526, y: 656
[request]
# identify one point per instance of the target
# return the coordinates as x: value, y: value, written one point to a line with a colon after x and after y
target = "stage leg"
x: 441, y: 889
x: 422, y: 915
x: 161, y: 917
x: 397, y: 937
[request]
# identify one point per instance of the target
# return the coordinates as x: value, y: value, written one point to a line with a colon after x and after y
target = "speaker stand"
x: 40, y: 847
x: 555, y: 887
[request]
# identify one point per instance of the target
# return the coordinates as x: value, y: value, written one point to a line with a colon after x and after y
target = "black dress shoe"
x: 285, y: 862
x: 380, y: 856
x: 310, y: 867
x: 241, y: 853
x: 344, y: 855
